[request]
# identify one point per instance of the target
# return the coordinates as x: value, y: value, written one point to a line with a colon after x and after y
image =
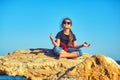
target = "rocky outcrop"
x: 39, y: 64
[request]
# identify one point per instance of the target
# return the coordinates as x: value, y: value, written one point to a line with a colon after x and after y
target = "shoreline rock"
x: 39, y: 64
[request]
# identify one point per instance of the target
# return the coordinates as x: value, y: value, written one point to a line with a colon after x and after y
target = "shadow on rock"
x: 47, y: 52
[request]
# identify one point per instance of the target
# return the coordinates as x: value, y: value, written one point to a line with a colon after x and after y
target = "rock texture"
x: 42, y: 64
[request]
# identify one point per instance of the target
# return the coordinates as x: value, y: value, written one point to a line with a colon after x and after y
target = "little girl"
x: 65, y: 44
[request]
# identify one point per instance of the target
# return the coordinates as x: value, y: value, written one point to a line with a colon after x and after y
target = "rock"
x: 97, y: 67
x: 39, y: 64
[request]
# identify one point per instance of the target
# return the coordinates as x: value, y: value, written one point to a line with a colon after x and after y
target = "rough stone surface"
x: 42, y: 64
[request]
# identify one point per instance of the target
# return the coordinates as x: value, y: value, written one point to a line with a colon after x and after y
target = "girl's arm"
x: 85, y: 44
x: 55, y: 43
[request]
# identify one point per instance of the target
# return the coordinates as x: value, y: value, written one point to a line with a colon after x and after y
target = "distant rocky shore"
x: 42, y: 64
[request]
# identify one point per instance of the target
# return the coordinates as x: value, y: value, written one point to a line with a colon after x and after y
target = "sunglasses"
x: 67, y: 23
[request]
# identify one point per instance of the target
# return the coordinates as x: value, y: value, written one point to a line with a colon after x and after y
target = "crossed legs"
x: 63, y: 54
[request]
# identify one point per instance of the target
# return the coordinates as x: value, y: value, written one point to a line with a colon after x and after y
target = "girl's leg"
x: 64, y: 54
x: 75, y: 50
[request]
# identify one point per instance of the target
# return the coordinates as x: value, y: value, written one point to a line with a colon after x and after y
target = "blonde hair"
x: 70, y: 43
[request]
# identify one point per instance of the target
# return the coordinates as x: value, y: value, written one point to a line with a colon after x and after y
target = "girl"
x: 65, y: 44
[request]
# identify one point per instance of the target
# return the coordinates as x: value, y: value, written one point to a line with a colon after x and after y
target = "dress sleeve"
x: 58, y: 36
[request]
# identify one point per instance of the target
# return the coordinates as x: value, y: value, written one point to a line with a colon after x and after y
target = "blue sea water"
x: 6, y: 77
x: 118, y: 62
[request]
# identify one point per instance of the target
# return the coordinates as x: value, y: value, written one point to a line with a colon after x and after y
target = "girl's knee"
x: 57, y: 50
x: 79, y: 52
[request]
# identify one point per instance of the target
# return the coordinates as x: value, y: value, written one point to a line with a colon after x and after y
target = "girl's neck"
x: 66, y: 31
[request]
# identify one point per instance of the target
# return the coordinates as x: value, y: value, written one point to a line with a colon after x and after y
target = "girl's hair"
x: 70, y: 34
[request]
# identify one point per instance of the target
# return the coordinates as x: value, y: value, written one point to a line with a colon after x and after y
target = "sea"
x: 118, y: 61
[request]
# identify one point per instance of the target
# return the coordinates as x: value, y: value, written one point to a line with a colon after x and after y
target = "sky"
x: 26, y: 24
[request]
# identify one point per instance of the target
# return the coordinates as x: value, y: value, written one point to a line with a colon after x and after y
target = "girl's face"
x: 66, y: 24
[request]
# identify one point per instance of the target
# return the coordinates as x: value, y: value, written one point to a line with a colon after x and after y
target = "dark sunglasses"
x: 67, y: 23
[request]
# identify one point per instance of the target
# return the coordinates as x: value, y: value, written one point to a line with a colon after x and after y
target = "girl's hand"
x: 51, y: 37
x: 85, y: 44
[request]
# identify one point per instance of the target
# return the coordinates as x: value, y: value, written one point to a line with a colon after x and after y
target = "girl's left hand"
x: 85, y: 44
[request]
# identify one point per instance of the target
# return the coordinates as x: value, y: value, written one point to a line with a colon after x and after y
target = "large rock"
x: 39, y: 64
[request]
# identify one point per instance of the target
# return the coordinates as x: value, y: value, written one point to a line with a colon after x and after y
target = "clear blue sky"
x: 26, y: 24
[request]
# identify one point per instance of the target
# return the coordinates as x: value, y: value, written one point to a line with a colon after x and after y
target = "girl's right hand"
x: 51, y: 37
